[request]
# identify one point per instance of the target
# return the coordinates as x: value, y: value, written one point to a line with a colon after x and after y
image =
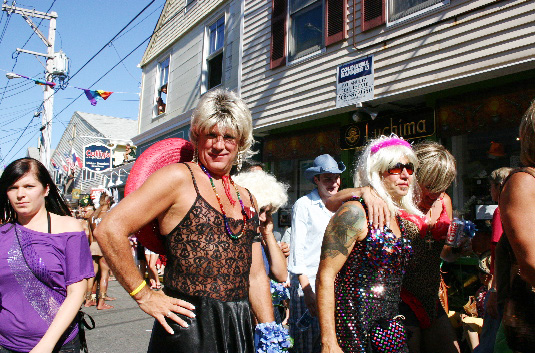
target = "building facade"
x: 196, y: 47
x: 75, y: 177
x: 460, y: 72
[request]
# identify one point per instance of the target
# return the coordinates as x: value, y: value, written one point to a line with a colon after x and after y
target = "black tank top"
x: 202, y: 259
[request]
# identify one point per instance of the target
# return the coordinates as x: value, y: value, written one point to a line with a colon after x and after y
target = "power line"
x: 111, y: 40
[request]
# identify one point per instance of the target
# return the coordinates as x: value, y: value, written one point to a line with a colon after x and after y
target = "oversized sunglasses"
x: 398, y: 168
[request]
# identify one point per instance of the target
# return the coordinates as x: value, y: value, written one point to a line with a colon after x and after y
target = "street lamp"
x: 12, y: 75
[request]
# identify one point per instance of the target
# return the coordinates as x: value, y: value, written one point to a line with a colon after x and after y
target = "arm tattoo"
x: 345, y: 225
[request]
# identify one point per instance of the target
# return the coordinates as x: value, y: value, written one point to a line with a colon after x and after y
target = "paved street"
x: 124, y: 328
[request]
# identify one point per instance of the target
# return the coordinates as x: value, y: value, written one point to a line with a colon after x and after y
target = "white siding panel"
x: 485, y: 35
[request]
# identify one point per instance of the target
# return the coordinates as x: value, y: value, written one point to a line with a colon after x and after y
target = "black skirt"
x: 218, y: 327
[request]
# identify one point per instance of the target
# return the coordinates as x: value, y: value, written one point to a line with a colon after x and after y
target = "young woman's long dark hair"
x: 17, y: 169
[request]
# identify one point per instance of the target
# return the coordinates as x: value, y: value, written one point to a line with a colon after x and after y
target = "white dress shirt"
x: 309, y: 221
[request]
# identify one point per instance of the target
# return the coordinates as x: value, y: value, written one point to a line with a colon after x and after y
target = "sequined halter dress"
x: 368, y: 285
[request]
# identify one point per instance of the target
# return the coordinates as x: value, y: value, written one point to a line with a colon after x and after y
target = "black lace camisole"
x: 202, y: 259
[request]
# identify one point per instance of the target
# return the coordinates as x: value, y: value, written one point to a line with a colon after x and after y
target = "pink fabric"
x: 497, y: 232
x: 392, y: 141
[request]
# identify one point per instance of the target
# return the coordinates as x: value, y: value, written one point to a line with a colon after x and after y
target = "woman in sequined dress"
x: 429, y: 326
x: 361, y: 268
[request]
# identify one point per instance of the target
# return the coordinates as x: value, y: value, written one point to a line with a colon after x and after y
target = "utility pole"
x: 51, y: 71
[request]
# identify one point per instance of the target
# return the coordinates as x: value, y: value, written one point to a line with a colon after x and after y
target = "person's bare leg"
x: 104, y: 277
x: 440, y: 337
x: 91, y: 300
x: 153, y: 273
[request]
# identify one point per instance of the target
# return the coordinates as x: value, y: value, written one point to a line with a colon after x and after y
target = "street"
x: 124, y: 328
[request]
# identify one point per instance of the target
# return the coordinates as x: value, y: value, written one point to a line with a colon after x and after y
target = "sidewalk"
x: 125, y: 328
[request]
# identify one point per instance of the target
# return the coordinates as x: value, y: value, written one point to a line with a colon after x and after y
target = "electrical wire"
x: 111, y: 40
x: 55, y: 117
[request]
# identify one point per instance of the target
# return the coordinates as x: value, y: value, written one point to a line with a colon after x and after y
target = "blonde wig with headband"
x: 378, y: 156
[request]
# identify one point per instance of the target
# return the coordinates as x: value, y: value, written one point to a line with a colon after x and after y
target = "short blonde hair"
x: 265, y: 188
x: 225, y: 110
x: 438, y: 167
x: 527, y: 137
x: 499, y: 175
x: 370, y: 166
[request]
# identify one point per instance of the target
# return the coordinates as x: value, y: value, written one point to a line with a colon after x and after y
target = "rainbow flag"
x: 93, y: 96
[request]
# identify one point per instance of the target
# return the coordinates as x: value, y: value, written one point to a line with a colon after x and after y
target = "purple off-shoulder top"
x: 24, y: 315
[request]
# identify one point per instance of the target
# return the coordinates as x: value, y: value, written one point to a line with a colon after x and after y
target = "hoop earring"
x: 195, y: 156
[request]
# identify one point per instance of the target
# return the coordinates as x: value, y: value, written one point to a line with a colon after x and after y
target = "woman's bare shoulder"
x: 64, y: 224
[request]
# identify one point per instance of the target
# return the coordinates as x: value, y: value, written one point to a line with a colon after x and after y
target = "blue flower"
x: 273, y: 338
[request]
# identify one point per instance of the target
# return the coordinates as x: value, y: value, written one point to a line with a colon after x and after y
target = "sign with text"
x: 411, y: 125
x: 97, y: 157
x: 354, y: 82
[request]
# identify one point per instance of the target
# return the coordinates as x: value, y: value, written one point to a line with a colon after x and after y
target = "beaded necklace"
x: 225, y: 219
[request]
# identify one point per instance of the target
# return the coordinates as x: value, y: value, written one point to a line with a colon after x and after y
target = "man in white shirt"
x: 309, y: 220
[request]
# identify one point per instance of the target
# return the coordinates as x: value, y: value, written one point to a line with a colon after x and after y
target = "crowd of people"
x: 357, y: 271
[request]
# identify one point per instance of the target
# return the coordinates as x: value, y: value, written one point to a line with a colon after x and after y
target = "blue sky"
x: 83, y: 28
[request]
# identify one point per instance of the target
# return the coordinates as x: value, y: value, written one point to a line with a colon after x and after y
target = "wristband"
x: 492, y: 290
x: 138, y: 289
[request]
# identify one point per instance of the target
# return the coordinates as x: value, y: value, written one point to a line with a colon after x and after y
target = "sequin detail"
x: 45, y: 301
x: 368, y: 285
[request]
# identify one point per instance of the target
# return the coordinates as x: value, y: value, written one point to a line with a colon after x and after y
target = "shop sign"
x: 97, y: 157
x: 411, y: 125
x: 354, y: 82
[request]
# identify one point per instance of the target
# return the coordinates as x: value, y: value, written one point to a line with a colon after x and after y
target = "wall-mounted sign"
x: 409, y: 125
x: 354, y: 82
x: 97, y: 157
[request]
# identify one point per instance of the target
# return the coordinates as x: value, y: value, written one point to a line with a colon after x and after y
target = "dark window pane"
x: 215, y: 70
x: 307, y: 27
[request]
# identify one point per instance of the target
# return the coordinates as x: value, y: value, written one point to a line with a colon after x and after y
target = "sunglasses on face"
x: 398, y: 168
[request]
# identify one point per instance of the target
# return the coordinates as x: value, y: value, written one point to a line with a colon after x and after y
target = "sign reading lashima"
x: 354, y: 82
x: 97, y: 157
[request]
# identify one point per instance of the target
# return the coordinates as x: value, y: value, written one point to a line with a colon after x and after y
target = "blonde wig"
x: 378, y: 156
x: 527, y: 137
x: 265, y: 188
x: 438, y: 167
x: 226, y: 111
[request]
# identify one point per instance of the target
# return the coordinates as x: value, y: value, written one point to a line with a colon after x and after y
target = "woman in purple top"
x: 44, y: 263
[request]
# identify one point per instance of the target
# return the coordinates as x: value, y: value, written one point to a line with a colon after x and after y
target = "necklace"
x: 225, y: 219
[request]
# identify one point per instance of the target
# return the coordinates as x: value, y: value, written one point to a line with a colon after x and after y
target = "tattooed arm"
x: 347, y: 226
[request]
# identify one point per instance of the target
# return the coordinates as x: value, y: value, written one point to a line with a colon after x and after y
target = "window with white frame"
x: 163, y: 80
x: 306, y: 23
x: 400, y: 9
x: 214, y: 59
x: 378, y: 12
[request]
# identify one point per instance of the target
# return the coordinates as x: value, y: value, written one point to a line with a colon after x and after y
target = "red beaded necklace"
x: 225, y: 219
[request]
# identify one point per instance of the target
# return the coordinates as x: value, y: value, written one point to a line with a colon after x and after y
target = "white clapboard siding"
x: 186, y: 53
x: 441, y: 47
x: 175, y: 20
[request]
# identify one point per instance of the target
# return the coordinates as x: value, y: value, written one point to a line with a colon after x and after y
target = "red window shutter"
x: 335, y: 21
x: 372, y: 14
x: 278, y: 33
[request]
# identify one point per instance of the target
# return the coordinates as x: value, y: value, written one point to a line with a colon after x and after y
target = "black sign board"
x: 409, y: 125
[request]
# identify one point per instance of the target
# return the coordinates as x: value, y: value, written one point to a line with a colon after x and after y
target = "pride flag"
x: 93, y: 96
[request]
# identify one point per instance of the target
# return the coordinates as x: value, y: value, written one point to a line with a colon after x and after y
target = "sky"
x: 82, y: 29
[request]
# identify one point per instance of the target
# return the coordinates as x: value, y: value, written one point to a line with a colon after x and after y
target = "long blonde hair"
x: 371, y: 165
